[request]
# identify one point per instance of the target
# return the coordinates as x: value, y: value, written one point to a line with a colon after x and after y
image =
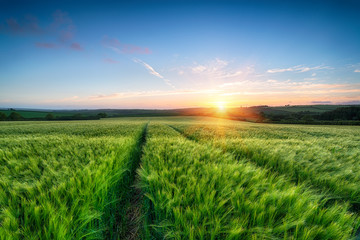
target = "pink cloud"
x: 28, y: 26
x: 14, y: 26
x: 109, y: 60
x: 65, y: 36
x: 61, y: 17
x: 123, y: 48
x: 76, y: 46
x: 61, y: 29
x: 63, y: 26
x: 45, y: 45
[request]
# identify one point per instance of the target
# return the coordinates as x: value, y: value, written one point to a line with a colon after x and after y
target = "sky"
x: 178, y: 54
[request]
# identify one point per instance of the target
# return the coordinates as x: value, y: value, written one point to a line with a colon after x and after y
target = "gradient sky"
x: 173, y: 54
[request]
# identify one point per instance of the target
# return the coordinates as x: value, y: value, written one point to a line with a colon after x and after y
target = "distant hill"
x: 311, y: 114
x: 315, y: 114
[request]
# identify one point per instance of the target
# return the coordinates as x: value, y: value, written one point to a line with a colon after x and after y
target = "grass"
x: 327, y: 157
x: 199, y: 178
x: 65, y: 184
x: 196, y: 191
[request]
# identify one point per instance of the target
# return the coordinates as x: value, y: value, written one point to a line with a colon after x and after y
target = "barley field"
x: 178, y: 178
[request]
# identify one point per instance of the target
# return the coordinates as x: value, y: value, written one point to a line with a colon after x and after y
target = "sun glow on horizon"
x: 221, y: 106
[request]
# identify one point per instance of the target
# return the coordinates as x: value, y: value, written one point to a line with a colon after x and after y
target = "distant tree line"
x: 15, y: 116
x: 346, y: 113
x: 341, y: 116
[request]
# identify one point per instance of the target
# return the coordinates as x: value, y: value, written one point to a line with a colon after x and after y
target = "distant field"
x: 176, y: 112
x: 178, y: 178
x: 310, y: 108
x: 302, y: 114
x: 35, y: 114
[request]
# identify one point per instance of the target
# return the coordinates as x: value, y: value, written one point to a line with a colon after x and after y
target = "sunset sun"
x: 221, y: 106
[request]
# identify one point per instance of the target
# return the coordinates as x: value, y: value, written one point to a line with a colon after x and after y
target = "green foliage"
x: 36, y: 114
x: 2, y: 116
x: 49, y: 116
x: 342, y: 115
x: 327, y: 157
x: 195, y: 191
x: 345, y: 113
x: 14, y: 116
x: 102, y: 115
x: 202, y: 178
x: 67, y: 184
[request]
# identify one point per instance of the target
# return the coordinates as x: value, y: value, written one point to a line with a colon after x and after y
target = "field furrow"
x: 133, y: 203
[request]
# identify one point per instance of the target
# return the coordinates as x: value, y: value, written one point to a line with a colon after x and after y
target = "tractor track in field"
x: 133, y: 216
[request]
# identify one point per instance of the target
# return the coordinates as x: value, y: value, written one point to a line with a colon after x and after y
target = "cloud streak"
x: 122, y: 95
x: 110, y: 60
x: 299, y: 69
x: 152, y: 71
x: 321, y: 102
x: 216, y: 69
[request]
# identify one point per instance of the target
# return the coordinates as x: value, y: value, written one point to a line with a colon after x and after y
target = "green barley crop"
x: 326, y: 156
x: 202, y: 178
x: 65, y: 180
x: 195, y: 191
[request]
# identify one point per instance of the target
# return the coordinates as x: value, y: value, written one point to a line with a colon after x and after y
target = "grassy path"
x: 133, y: 215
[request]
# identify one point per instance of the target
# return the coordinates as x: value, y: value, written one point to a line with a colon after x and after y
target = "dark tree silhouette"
x: 2, y: 116
x: 49, y: 117
x: 14, y: 116
x: 102, y: 115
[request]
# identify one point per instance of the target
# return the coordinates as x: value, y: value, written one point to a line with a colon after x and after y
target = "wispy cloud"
x: 354, y: 102
x: 153, y: 72
x: 148, y: 67
x: 299, y: 69
x: 110, y: 60
x: 234, y: 84
x: 61, y: 29
x: 289, y: 88
x: 62, y: 26
x: 73, y: 98
x: 123, y: 48
x: 357, y: 70
x: 216, y: 69
x: 45, y: 45
x: 132, y: 94
x: 76, y: 46
x: 321, y: 102
x: 27, y: 26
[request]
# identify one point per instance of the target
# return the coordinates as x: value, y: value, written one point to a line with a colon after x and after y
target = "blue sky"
x: 172, y: 54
